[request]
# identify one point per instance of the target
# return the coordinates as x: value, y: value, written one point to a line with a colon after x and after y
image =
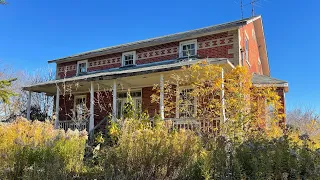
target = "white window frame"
x: 181, y: 44
x: 124, y: 100
x: 180, y: 89
x: 80, y: 62
x: 129, y: 53
x: 75, y: 102
x: 247, y: 50
x: 259, y: 66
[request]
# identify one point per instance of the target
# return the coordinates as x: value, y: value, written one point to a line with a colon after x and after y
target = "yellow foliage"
x: 32, y: 142
x: 246, y: 106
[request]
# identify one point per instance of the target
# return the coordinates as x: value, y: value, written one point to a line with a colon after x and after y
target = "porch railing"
x: 193, y: 124
x: 72, y: 125
x: 172, y: 123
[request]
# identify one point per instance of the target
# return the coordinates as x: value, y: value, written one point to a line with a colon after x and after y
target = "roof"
x: 125, y: 72
x: 262, y: 80
x: 157, y: 40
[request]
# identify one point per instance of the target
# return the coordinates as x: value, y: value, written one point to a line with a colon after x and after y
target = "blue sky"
x: 34, y: 31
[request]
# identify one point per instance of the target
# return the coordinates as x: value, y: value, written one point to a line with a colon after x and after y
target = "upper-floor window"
x: 247, y: 50
x: 259, y: 66
x: 82, y: 67
x: 188, y: 48
x: 129, y: 58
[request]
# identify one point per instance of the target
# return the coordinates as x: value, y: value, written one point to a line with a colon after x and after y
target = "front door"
x: 81, y: 111
x: 122, y: 99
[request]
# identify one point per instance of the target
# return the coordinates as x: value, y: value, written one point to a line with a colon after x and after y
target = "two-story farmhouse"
x: 106, y: 74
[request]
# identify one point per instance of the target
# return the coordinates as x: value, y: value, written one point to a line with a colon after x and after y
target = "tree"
x: 245, y: 105
x: 2, y: 2
x: 5, y: 94
x: 18, y: 104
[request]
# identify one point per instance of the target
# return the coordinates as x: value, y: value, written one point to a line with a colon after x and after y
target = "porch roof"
x: 114, y: 73
x: 263, y: 81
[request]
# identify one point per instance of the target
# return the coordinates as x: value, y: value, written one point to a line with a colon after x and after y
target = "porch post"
x: 29, y: 105
x: 91, y: 122
x: 56, y: 122
x: 114, y: 101
x: 161, y: 97
x: 223, y: 111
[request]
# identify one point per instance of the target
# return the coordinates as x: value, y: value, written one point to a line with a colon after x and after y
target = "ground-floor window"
x: 122, y: 99
x: 80, y: 108
x: 186, y: 103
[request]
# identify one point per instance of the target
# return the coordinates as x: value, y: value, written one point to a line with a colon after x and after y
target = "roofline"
x: 130, y: 72
x: 158, y: 40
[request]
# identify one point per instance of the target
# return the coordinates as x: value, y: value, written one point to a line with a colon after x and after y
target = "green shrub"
x: 261, y: 158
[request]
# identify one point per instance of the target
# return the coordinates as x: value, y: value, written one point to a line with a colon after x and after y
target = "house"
x: 99, y: 79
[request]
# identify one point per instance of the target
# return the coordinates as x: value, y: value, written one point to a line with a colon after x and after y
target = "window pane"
x: 192, y: 52
x: 188, y: 50
x: 184, y: 47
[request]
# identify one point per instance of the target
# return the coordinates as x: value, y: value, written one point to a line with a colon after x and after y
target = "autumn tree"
x: 5, y: 93
x: 226, y: 101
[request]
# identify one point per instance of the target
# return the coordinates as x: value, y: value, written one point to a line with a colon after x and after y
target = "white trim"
x: 246, y: 34
x: 56, y: 121
x: 114, y: 100
x: 182, y: 43
x: 29, y: 105
x: 161, y: 96
x: 128, y: 53
x: 80, y: 62
x: 246, y: 39
x: 91, y: 122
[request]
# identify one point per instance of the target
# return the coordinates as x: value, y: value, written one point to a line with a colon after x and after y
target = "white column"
x: 29, y: 105
x: 161, y: 97
x: 177, y: 101
x: 114, y: 101
x: 223, y: 111
x: 56, y: 122
x: 91, y: 122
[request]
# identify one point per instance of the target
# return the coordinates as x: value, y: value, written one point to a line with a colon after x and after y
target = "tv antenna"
x: 253, y: 3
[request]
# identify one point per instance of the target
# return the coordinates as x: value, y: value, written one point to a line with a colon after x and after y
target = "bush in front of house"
x: 146, y: 152
x: 35, y: 150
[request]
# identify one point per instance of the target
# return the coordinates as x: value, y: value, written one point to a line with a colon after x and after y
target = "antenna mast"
x: 241, y: 7
x: 252, y: 4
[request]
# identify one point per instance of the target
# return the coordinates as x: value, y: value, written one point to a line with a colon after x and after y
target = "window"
x: 259, y: 66
x: 188, y: 48
x: 80, y: 108
x: 247, y: 51
x: 122, y: 99
x: 129, y: 58
x: 186, y: 103
x: 82, y: 67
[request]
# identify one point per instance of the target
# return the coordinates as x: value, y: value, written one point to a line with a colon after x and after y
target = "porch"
x: 103, y: 93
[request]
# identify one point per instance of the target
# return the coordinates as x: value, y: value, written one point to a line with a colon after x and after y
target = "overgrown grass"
x: 35, y: 150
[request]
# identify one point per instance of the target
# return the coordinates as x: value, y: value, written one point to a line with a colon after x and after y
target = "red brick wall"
x: 253, y: 48
x: 66, y: 70
x: 211, y: 46
x: 102, y: 106
x: 151, y: 108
